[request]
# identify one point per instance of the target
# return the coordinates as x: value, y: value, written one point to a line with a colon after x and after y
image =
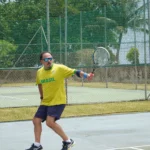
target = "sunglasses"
x: 47, y: 59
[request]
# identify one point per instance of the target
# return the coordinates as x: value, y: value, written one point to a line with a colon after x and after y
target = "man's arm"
x: 82, y: 74
x: 40, y: 91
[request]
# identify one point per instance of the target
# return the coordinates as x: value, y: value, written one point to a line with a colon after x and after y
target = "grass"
x: 27, y: 113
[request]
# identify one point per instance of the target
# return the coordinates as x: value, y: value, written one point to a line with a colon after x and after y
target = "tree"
x: 117, y: 16
x: 7, y: 54
x: 124, y: 13
x: 133, y: 55
x: 112, y: 18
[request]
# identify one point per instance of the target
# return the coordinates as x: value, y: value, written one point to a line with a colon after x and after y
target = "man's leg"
x: 50, y: 121
x: 37, y: 129
x: 37, y: 133
x: 67, y: 143
x: 54, y: 113
x: 39, y: 117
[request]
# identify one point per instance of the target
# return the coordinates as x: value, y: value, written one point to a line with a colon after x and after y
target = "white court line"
x: 135, y: 147
x: 11, y: 98
x: 142, y: 146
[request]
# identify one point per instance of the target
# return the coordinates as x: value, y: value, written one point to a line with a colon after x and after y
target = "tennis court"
x: 29, y: 95
x: 110, y: 132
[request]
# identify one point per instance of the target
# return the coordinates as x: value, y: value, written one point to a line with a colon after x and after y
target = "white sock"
x: 37, y: 144
x: 68, y: 141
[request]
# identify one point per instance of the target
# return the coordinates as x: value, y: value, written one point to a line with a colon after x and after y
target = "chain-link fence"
x: 121, y: 28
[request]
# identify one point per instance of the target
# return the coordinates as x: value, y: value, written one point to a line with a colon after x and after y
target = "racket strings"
x: 101, y: 57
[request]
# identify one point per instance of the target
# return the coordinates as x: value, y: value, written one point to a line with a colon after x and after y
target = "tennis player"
x: 50, y: 81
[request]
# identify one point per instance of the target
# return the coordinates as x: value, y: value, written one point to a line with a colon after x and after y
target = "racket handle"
x: 93, y: 71
x: 92, y: 74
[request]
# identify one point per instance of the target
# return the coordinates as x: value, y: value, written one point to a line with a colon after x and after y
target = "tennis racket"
x: 101, y: 57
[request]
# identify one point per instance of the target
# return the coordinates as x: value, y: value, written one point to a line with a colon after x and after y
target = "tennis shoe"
x: 33, y: 147
x: 68, y: 145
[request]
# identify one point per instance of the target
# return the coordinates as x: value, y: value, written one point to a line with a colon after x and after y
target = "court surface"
x: 109, y: 132
x: 29, y: 95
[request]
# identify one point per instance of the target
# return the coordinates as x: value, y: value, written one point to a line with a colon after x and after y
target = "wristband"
x: 78, y: 73
x: 85, y: 75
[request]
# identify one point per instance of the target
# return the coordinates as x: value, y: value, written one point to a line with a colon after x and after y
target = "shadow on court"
x: 112, y: 132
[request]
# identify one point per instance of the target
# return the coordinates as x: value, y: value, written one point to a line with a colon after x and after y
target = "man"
x: 50, y: 81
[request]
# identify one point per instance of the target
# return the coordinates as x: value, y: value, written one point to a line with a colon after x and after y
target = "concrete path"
x: 110, y: 132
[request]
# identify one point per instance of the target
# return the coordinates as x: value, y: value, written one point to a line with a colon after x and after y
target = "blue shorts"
x: 54, y: 111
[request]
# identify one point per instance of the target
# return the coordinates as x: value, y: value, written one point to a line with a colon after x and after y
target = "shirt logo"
x: 47, y: 80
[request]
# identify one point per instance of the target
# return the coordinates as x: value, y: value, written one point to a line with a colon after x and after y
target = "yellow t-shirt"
x: 53, y: 84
